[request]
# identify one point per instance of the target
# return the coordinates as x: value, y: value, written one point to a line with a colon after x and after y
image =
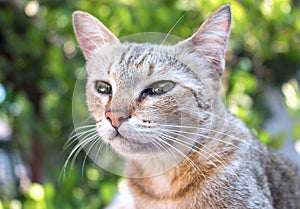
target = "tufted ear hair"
x: 91, y: 33
x: 212, y: 36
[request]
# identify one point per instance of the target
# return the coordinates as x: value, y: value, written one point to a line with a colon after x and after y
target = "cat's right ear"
x: 91, y: 33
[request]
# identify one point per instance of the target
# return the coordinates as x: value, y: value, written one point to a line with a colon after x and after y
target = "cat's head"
x: 151, y: 98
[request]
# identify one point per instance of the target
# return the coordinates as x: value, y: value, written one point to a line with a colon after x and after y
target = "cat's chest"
x: 164, y: 192
x: 161, y: 184
x: 165, y: 197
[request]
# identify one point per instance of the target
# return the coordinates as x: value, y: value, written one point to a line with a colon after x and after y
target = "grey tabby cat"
x: 158, y: 103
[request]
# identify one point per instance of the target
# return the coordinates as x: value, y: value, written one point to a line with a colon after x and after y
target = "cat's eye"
x: 102, y: 87
x: 157, y: 88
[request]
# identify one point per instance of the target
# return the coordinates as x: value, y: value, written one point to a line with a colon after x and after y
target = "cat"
x: 159, y: 107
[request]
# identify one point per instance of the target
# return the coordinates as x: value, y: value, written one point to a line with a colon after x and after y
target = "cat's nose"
x: 116, y: 118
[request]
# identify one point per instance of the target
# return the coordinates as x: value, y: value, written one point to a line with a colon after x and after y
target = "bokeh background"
x: 40, y: 61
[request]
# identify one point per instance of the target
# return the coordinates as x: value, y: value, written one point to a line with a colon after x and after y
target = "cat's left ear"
x: 211, y: 38
x: 91, y: 33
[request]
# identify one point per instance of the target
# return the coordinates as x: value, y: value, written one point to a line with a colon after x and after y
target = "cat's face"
x: 141, y: 96
x: 148, y: 99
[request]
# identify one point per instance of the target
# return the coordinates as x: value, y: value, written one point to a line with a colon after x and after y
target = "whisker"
x: 75, y: 151
x: 180, y: 152
x: 215, y: 138
x: 74, y: 135
x: 100, y: 142
x: 187, y: 145
x: 168, y: 34
x: 87, y: 153
x: 191, y: 145
x: 82, y: 145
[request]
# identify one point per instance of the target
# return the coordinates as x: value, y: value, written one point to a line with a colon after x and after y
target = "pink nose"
x: 116, y: 118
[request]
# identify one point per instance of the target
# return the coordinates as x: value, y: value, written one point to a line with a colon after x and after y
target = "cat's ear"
x: 212, y: 36
x: 91, y: 33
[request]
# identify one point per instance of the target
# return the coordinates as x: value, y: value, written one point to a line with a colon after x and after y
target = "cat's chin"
x: 133, y: 149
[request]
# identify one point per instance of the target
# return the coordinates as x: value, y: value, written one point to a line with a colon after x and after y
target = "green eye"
x: 102, y: 87
x: 157, y: 88
x: 162, y: 87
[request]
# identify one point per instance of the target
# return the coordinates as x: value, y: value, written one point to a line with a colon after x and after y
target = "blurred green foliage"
x: 91, y: 190
x: 40, y: 60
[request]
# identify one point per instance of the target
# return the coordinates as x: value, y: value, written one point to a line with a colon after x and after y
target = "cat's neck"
x: 183, y: 178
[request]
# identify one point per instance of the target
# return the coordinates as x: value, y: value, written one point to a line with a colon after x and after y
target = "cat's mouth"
x: 118, y: 134
x: 133, y: 147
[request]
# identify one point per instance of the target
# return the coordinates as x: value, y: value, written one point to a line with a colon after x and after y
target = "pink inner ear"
x: 91, y: 33
x: 211, y: 38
